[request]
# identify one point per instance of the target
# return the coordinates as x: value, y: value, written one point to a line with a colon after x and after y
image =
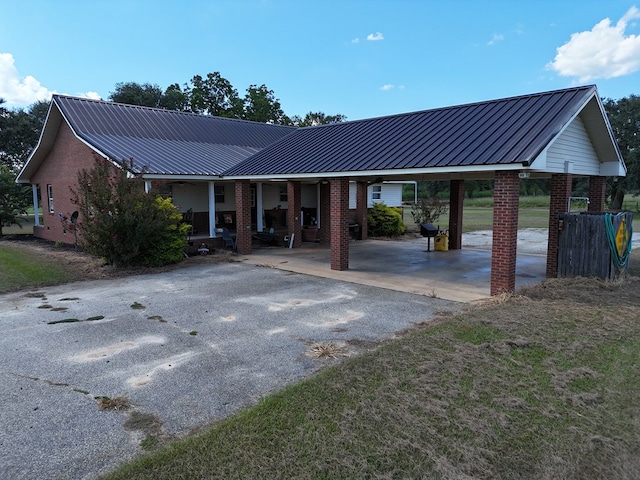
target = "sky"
x: 358, y: 58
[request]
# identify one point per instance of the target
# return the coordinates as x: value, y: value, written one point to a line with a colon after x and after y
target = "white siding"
x: 391, y: 195
x: 573, y: 145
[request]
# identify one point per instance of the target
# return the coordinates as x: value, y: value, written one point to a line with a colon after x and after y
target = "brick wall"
x: 597, y: 192
x: 324, y: 233
x: 506, y: 195
x: 243, y: 217
x: 361, y: 208
x: 293, y: 212
x: 60, y: 170
x: 339, y: 197
x: 560, y: 192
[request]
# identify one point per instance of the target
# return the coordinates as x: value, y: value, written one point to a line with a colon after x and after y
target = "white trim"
x: 36, y: 216
x: 212, y: 209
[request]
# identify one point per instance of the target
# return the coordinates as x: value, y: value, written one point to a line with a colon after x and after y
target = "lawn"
x: 19, y: 269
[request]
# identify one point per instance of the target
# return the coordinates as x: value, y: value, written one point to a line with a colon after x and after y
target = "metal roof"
x: 497, y: 132
x: 164, y: 141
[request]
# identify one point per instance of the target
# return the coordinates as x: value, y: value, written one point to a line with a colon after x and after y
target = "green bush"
x: 122, y: 223
x: 384, y: 221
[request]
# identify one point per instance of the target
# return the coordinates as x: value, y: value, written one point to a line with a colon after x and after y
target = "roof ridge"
x: 461, y: 105
x: 163, y: 110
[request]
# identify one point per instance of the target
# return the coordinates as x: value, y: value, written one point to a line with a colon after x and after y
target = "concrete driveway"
x: 185, y: 347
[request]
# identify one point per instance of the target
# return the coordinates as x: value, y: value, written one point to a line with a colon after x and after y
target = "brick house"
x: 251, y: 177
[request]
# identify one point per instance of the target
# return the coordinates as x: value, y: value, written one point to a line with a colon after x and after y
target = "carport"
x: 558, y: 135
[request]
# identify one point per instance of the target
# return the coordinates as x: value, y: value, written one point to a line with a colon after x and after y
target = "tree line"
x: 215, y: 95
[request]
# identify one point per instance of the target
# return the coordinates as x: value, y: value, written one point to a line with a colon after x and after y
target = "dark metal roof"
x: 497, y: 132
x: 166, y: 141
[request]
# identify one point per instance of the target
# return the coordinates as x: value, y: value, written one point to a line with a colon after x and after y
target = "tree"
x: 317, y: 118
x: 213, y: 95
x: 174, y: 98
x: 132, y: 93
x: 624, y: 116
x: 19, y: 132
x: 14, y: 198
x: 261, y: 105
x: 122, y: 223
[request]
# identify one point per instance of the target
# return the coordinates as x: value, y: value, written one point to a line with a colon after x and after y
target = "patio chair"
x: 228, y: 240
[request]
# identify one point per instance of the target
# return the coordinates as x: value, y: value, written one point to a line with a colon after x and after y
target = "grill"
x: 429, y: 231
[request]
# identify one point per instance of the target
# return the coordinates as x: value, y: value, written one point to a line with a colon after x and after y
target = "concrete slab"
x: 407, y: 266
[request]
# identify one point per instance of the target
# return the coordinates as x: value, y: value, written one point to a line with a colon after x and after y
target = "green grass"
x: 18, y: 268
x: 541, y: 385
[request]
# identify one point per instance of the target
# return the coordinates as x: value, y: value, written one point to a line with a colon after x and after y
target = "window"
x: 219, y: 194
x: 376, y: 192
x: 50, y: 197
x: 283, y: 194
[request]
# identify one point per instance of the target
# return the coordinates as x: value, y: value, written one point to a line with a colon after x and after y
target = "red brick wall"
x: 560, y: 192
x: 339, y: 196
x: 597, y: 191
x: 60, y: 169
x: 506, y: 195
x: 324, y: 233
x: 456, y: 199
x: 361, y: 208
x: 294, y: 206
x: 243, y: 216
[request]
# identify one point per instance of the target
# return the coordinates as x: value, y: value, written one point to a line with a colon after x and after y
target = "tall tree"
x: 213, y: 95
x: 261, y: 105
x: 624, y: 116
x: 133, y: 93
x: 174, y: 98
x: 317, y: 118
x: 19, y: 132
x: 14, y: 198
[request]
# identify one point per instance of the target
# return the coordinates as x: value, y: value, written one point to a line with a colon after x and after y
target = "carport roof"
x: 503, y: 132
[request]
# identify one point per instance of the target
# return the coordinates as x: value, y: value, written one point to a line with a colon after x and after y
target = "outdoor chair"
x: 228, y: 240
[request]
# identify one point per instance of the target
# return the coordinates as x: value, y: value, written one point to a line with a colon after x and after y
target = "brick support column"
x: 361, y: 208
x: 506, y: 196
x: 456, y: 199
x: 243, y: 216
x: 339, y: 196
x: 560, y: 192
x: 294, y: 206
x: 597, y: 192
x: 324, y: 231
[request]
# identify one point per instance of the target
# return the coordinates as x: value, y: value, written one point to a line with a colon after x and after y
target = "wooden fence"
x: 583, y: 246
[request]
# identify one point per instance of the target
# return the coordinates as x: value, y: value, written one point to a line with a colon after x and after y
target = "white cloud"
x: 17, y: 91
x: 91, y: 95
x: 602, y: 52
x: 374, y: 37
x: 495, y: 39
x: 387, y: 87
x: 355, y: 40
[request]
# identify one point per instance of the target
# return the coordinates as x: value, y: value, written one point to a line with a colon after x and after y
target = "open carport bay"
x: 185, y: 348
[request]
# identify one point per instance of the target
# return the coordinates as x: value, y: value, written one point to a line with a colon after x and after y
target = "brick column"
x: 456, y: 199
x: 560, y: 192
x: 506, y: 196
x: 339, y: 196
x: 597, y: 193
x: 294, y: 205
x: 243, y: 216
x: 325, y: 213
x: 361, y: 208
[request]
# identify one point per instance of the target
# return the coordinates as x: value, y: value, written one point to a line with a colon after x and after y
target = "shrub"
x: 122, y: 223
x: 427, y: 210
x: 384, y: 221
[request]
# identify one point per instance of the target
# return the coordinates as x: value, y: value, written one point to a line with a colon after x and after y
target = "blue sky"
x: 360, y: 58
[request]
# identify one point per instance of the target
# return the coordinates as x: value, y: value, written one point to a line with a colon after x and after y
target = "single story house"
x: 252, y: 176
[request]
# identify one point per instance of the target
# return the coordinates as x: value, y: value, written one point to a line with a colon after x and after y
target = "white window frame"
x: 50, y: 198
x: 376, y: 192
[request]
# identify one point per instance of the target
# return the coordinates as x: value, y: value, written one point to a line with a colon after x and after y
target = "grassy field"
x: 19, y: 269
